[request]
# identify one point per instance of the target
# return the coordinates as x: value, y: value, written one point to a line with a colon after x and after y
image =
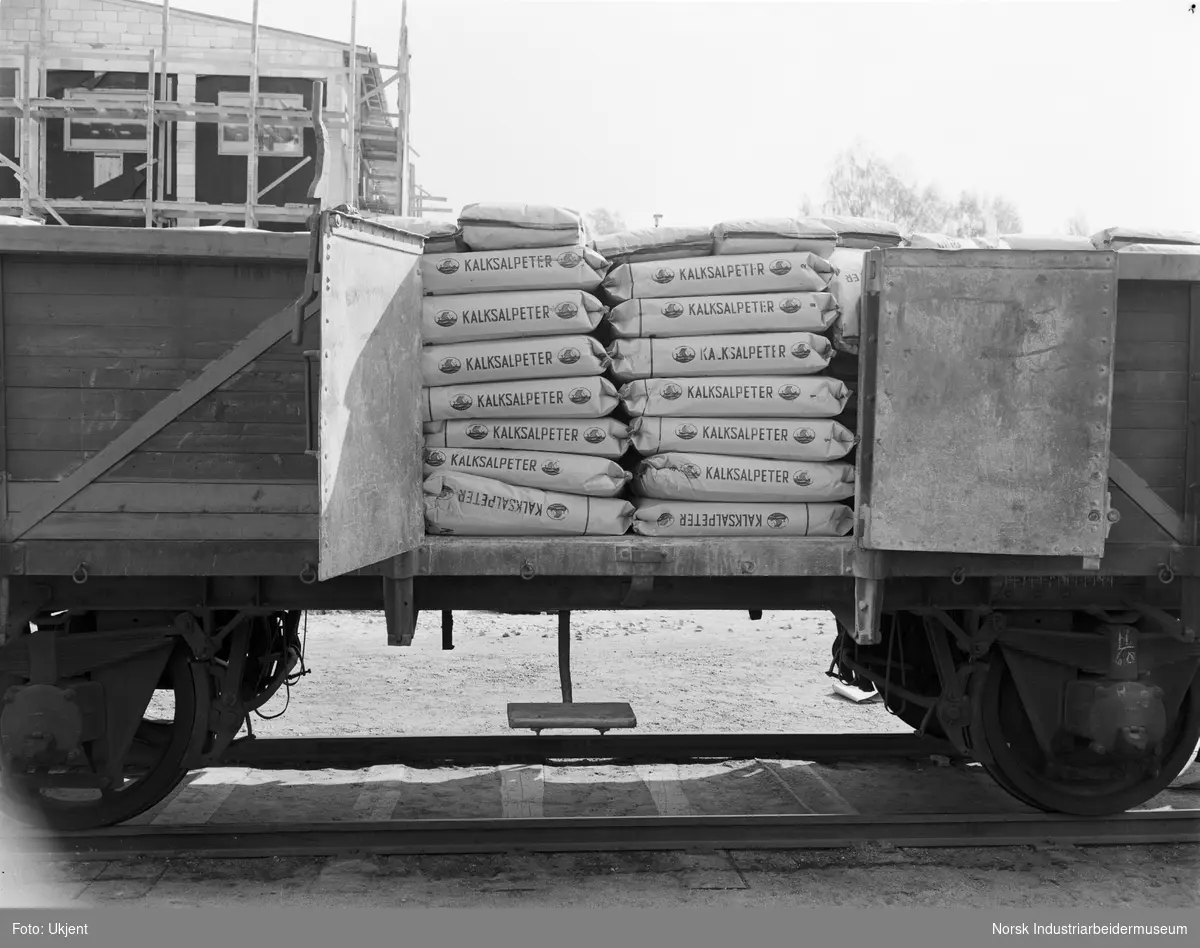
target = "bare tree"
x: 602, y: 221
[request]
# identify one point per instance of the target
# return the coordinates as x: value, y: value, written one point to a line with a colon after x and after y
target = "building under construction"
x: 124, y: 113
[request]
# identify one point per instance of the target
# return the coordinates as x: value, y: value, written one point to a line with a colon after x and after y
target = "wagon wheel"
x: 154, y: 765
x: 1086, y: 784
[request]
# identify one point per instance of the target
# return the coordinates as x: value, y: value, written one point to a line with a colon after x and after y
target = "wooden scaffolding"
x: 378, y: 170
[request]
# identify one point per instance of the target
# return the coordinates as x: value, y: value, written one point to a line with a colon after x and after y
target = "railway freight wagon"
x: 207, y: 434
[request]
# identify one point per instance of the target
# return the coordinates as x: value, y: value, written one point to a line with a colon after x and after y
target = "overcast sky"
x: 702, y: 111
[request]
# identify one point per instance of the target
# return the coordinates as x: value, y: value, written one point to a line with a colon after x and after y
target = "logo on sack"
x: 663, y: 275
x: 553, y: 468
x: 780, y: 267
x: 449, y: 365
x: 477, y: 432
x: 790, y: 305
x: 801, y: 479
x: 801, y: 350
x: 684, y: 354
x: 580, y: 396
x: 673, y: 310
x: 447, y: 266
x: 594, y: 435
x: 804, y: 435
x: 569, y: 356
x: 569, y: 260
x: 566, y: 310
x: 685, y: 432
x: 435, y: 458
x: 446, y: 318
x: 690, y: 471
x: 672, y: 391
x: 557, y: 511
x: 666, y: 519
x: 789, y: 393
x: 777, y: 521
x: 461, y: 402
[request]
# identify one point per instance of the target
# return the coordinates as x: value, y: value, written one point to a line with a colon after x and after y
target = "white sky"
x: 702, y: 111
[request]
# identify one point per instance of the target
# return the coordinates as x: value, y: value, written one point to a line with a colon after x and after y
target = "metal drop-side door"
x: 370, y: 443
x: 986, y: 410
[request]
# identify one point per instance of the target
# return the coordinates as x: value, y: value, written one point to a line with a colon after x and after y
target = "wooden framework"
x: 377, y: 148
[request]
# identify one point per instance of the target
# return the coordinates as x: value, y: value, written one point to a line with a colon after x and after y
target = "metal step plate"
x: 603, y: 716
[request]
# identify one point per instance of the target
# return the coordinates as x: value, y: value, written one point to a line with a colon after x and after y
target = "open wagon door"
x: 370, y: 442
x: 985, y: 419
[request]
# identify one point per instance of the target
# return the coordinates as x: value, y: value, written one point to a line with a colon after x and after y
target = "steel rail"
x: 609, y: 834
x: 334, y: 753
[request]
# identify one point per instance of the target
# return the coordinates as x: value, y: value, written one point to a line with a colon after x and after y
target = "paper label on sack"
x: 466, y: 505
x: 557, y: 268
x: 541, y: 470
x: 809, y: 439
x: 719, y: 276
x: 602, y: 437
x: 504, y: 360
x: 675, y: 518
x: 773, y: 235
x: 736, y: 397
x: 568, y: 398
x: 712, y: 477
x: 472, y: 317
x: 711, y: 315
x: 790, y: 353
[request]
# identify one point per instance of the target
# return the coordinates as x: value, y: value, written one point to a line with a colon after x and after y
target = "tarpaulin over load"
x: 501, y: 226
x: 809, y: 439
x: 503, y: 360
x: 863, y: 233
x: 475, y: 316
x: 440, y: 236
x: 784, y: 353
x: 566, y: 268
x: 719, y: 276
x: 1114, y: 238
x: 737, y: 397
x: 541, y: 470
x: 708, y: 315
x: 714, y: 477
x: 602, y: 437
x: 655, y: 243
x: 467, y: 505
x: 535, y: 398
x: 677, y: 518
x: 773, y: 235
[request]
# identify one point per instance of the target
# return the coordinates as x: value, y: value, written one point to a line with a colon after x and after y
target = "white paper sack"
x: 600, y: 437
x: 503, y: 360
x: 674, y: 518
x: 541, y: 470
x: 676, y: 242
x: 943, y: 242
x: 492, y: 226
x: 773, y: 353
x: 7, y: 221
x: 714, y: 477
x: 847, y: 290
x: 475, y: 316
x: 1114, y: 238
x: 466, y: 505
x: 1175, y: 249
x: 552, y: 268
x: 708, y: 315
x: 863, y: 233
x: 735, y: 397
x: 719, y: 276
x: 440, y: 236
x: 1045, y: 242
x: 534, y: 398
x: 773, y: 235
x: 809, y: 439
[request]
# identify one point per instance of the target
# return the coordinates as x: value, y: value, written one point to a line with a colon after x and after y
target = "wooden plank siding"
x: 1150, y: 399
x: 92, y: 345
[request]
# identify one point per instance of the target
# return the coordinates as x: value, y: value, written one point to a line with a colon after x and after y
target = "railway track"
x: 597, y: 834
x: 349, y: 753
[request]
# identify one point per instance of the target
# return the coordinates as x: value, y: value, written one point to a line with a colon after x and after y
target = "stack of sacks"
x: 720, y: 356
x: 518, y: 441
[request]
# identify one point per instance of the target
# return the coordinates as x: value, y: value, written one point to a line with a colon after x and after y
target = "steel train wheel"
x: 154, y: 766
x: 1085, y: 784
